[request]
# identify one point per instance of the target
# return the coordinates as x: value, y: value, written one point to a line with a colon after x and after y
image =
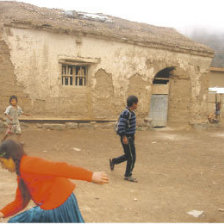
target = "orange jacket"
x: 47, y: 182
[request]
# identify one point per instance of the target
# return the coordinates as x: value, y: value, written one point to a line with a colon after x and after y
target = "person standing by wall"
x: 12, y: 113
x: 217, y: 110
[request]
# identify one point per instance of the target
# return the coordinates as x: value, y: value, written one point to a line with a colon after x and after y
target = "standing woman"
x: 46, y: 183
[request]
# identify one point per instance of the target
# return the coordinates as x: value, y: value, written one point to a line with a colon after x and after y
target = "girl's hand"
x: 100, y: 178
x: 1, y: 215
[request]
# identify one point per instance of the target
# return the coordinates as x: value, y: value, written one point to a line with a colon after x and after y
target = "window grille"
x: 74, y: 75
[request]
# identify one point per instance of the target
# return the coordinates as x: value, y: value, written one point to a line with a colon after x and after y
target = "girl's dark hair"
x: 11, y: 149
x: 131, y: 100
x: 13, y: 97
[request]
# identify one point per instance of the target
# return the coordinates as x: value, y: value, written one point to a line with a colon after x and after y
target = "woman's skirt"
x: 67, y: 212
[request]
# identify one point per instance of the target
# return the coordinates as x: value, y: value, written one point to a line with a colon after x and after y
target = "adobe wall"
x: 216, y: 79
x: 8, y: 80
x: 123, y: 69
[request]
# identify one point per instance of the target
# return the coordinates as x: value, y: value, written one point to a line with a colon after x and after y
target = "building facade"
x: 77, y: 65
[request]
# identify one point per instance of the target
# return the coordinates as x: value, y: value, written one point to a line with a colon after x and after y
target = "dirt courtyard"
x: 178, y: 171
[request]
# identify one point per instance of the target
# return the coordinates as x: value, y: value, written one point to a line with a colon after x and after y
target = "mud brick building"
x: 73, y: 64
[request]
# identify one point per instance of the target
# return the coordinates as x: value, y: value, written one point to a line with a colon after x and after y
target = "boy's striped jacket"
x: 127, y: 123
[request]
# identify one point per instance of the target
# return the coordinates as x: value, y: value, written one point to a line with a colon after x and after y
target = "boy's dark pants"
x: 129, y: 155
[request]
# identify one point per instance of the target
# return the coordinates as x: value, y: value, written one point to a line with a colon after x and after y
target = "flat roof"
x: 27, y: 16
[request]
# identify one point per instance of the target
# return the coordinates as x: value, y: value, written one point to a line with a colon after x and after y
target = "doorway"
x: 158, y: 111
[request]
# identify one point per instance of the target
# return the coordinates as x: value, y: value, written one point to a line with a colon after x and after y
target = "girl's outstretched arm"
x: 41, y: 166
x: 35, y: 165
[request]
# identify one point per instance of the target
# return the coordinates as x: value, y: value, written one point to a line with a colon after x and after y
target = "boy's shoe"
x: 111, y: 165
x: 131, y: 179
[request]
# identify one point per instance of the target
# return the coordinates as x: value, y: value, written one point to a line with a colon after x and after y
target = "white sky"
x: 180, y: 14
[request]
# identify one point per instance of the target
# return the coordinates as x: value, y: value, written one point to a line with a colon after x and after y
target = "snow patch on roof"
x: 85, y: 15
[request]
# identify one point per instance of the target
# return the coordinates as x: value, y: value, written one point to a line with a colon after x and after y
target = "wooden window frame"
x: 74, y: 74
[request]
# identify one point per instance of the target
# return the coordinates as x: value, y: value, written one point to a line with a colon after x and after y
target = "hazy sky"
x: 180, y: 14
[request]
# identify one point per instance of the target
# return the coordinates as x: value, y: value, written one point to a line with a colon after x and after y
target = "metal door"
x: 158, y: 110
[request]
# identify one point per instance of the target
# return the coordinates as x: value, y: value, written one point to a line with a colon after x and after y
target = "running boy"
x: 12, y: 113
x: 126, y: 130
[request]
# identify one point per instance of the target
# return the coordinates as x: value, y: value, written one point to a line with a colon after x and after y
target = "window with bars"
x: 74, y: 75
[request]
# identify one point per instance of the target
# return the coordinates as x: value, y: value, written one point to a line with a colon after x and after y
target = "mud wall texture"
x: 216, y: 79
x: 188, y: 96
x: 121, y: 70
x: 103, y: 101
x: 9, y: 84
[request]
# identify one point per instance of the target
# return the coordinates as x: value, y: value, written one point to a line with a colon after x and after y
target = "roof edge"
x: 150, y: 44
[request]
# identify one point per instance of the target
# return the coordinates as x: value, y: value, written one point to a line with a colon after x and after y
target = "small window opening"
x: 74, y: 75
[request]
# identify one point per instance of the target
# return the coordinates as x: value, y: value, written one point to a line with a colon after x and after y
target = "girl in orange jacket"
x: 46, y: 183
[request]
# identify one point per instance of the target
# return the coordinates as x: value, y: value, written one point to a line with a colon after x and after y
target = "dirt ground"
x: 178, y: 171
